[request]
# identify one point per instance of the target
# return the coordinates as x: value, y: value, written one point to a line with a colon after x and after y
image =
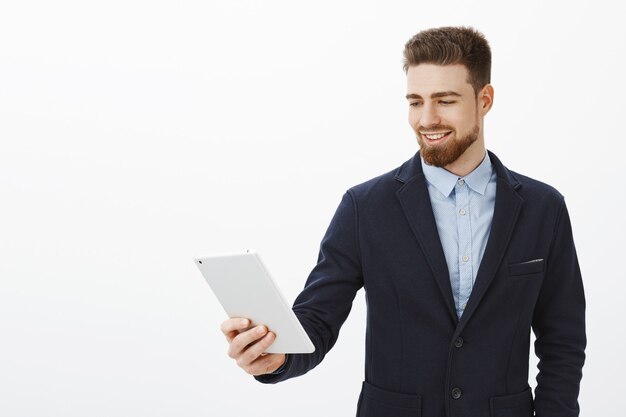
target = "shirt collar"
x: 444, y: 181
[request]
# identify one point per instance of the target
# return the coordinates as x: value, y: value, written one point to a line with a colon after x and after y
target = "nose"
x: 429, y: 116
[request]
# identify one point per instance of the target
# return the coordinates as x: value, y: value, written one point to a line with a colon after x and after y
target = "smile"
x: 436, y: 136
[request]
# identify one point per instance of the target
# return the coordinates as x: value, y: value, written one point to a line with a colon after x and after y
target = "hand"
x: 246, y: 346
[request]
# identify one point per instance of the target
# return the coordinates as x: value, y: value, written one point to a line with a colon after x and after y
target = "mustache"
x: 435, y: 129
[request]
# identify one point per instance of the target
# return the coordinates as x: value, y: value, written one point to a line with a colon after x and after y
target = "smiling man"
x: 448, y: 122
x: 460, y: 259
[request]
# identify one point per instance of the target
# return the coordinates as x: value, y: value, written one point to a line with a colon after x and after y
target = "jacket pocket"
x: 526, y: 268
x: 376, y: 402
x: 514, y: 405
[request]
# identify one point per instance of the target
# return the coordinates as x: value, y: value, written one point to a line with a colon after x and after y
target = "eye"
x: 446, y: 102
x: 417, y: 103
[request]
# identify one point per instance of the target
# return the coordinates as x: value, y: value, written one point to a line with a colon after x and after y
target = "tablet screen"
x: 245, y: 289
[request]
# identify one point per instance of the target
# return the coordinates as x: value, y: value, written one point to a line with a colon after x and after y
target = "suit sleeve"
x: 326, y: 300
x: 559, y: 327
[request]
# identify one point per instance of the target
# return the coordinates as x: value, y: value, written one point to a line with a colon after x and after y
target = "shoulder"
x: 388, y: 182
x: 532, y: 189
x: 382, y: 185
x: 529, y: 189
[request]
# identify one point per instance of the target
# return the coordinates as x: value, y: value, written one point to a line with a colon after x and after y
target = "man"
x: 459, y: 256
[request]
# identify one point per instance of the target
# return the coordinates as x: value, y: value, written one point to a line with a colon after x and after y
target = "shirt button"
x: 463, y: 306
x: 461, y: 181
x: 456, y: 393
x: 458, y: 342
x: 462, y: 212
x: 465, y: 258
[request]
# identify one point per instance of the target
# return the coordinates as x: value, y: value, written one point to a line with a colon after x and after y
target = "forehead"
x: 424, y: 79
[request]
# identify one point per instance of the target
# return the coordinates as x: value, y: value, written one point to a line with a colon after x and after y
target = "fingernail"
x: 244, y: 322
x: 260, y: 329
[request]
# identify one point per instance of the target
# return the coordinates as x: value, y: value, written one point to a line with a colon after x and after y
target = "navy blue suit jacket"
x: 421, y: 360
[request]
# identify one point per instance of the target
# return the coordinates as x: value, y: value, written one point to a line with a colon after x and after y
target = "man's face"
x: 442, y: 111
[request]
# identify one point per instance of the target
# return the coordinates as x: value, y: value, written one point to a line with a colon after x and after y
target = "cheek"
x: 466, y: 117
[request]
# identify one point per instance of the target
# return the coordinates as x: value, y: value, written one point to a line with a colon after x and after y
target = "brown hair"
x: 452, y: 45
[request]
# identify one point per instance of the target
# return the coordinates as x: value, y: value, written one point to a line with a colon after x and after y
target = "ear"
x: 484, y: 100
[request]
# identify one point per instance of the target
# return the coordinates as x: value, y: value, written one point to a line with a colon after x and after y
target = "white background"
x: 138, y: 134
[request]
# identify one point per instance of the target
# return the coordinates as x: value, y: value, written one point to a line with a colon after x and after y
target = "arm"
x: 559, y: 327
x: 326, y: 300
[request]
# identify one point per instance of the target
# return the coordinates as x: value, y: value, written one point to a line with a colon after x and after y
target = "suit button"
x: 458, y: 342
x: 456, y: 393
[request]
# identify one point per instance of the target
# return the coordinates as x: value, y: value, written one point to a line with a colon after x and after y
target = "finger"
x: 230, y: 336
x: 234, y: 324
x: 243, y: 339
x: 266, y: 364
x: 253, y: 352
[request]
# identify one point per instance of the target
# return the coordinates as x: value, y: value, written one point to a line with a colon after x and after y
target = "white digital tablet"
x: 245, y: 289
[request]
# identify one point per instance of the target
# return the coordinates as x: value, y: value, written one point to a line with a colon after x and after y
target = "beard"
x: 447, y: 153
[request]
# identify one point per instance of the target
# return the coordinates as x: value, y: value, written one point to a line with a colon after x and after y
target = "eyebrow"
x: 435, y: 95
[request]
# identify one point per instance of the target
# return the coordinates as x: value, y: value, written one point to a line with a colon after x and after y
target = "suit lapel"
x: 415, y: 202
x: 505, y: 214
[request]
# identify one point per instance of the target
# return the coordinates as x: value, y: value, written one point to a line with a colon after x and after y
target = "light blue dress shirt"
x: 463, y: 209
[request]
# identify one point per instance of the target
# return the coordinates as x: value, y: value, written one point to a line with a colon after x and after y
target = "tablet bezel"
x: 262, y: 302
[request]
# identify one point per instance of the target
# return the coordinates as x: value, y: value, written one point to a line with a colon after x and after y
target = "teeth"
x: 437, y: 136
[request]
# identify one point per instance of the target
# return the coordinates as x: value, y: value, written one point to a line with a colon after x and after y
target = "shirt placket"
x: 465, y: 243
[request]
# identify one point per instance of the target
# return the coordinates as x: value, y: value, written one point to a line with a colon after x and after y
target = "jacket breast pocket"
x: 376, y: 402
x: 514, y: 405
x: 533, y: 266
